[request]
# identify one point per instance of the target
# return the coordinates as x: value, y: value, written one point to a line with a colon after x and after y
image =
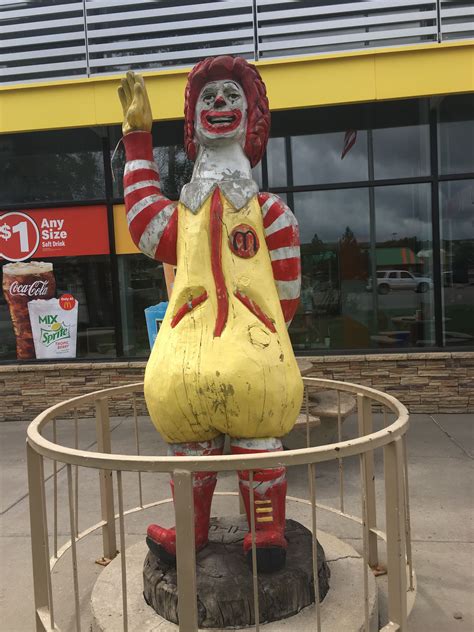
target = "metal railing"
x: 58, y: 39
x: 45, y: 506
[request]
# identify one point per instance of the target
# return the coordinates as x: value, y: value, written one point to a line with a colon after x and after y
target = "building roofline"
x: 293, y: 82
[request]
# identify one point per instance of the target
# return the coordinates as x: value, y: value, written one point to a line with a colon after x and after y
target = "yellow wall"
x: 123, y: 242
x: 390, y: 73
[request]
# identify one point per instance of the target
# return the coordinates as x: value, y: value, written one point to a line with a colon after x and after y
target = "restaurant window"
x: 174, y: 166
x: 401, y: 142
x: 456, y: 134
x: 53, y: 166
x: 335, y: 310
x: 142, y: 284
x: 402, y: 294
x: 330, y: 157
x: 276, y: 163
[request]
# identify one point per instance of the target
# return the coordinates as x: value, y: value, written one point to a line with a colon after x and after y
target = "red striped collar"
x: 238, y: 192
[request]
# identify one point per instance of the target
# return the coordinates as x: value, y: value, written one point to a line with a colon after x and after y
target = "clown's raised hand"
x: 136, y: 107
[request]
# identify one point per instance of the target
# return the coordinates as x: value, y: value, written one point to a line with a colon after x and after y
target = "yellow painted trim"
x: 263, y: 502
x: 123, y: 242
x: 337, y: 78
x: 264, y: 509
x: 264, y: 519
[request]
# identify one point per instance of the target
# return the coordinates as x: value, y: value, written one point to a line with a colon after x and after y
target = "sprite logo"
x: 56, y: 330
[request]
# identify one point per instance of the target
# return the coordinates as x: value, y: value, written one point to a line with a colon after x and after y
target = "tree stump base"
x: 225, y: 584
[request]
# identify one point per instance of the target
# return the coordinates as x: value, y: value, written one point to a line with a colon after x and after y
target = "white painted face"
x: 221, y: 113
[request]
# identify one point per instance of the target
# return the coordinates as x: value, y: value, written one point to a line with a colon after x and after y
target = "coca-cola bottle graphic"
x: 23, y: 282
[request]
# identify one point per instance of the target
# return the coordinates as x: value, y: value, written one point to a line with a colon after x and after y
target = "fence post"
x: 39, y: 538
x: 185, y: 551
x: 396, y: 545
x: 365, y: 423
x: 109, y: 538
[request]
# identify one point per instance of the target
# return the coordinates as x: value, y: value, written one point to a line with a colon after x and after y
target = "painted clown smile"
x: 220, y: 122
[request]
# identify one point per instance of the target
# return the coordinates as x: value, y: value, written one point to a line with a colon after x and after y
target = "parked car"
x: 400, y: 280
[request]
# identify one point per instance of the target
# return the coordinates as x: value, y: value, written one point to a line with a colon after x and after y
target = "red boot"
x: 162, y: 542
x: 268, y: 507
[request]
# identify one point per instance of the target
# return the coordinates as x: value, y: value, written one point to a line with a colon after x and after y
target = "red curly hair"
x: 258, y: 114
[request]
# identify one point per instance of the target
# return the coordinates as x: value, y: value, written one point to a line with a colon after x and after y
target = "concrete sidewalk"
x: 440, y: 451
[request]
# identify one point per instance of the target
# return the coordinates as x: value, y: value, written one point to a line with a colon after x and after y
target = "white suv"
x: 400, y: 280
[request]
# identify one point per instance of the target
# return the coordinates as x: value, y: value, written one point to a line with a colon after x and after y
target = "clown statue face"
x: 222, y: 362
x: 221, y: 113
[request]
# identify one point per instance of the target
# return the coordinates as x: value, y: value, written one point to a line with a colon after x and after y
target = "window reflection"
x: 401, y: 152
x: 334, y: 311
x: 276, y: 162
x: 142, y: 284
x: 173, y: 165
x: 456, y: 134
x: 328, y: 158
x: 257, y: 174
x: 60, y: 166
x: 402, y: 291
x: 457, y: 261
x: 400, y: 139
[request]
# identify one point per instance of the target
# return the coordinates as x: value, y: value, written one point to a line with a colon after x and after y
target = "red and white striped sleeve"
x: 283, y: 242
x: 152, y: 218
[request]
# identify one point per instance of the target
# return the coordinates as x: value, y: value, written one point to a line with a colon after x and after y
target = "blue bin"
x: 154, y: 317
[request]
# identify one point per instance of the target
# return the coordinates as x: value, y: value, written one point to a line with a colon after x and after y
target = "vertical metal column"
x: 185, y: 551
x: 340, y: 462
x: 109, y: 194
x: 105, y: 478
x: 55, y: 496
x: 72, y: 523
x: 439, y: 21
x: 86, y: 37
x: 436, y: 235
x: 39, y: 538
x: 76, y: 475
x: 256, y: 604
x: 372, y: 232
x: 137, y: 447
x: 255, y: 30
x: 365, y: 422
x: 123, y: 552
x: 314, y: 542
x: 396, y: 546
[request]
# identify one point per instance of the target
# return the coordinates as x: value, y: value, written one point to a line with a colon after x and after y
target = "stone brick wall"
x: 424, y: 382
x: 29, y: 389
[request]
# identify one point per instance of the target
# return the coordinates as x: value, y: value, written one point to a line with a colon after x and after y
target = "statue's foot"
x: 162, y: 543
x: 270, y: 548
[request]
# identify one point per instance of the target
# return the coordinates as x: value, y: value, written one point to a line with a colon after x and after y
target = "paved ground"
x: 441, y: 486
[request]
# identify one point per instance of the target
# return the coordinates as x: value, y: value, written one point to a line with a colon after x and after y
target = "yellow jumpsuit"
x: 244, y: 382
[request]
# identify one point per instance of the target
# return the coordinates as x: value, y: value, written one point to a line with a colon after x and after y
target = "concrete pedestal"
x: 342, y: 608
x: 224, y: 579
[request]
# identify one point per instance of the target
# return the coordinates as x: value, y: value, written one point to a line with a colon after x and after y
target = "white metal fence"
x: 57, y: 519
x: 56, y: 39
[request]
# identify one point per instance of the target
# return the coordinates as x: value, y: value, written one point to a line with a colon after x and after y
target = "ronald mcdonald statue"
x: 222, y: 362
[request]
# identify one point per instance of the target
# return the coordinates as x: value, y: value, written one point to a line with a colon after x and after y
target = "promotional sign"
x: 46, y: 327
x: 34, y: 234
x: 23, y: 282
x: 154, y: 317
x: 54, y: 327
